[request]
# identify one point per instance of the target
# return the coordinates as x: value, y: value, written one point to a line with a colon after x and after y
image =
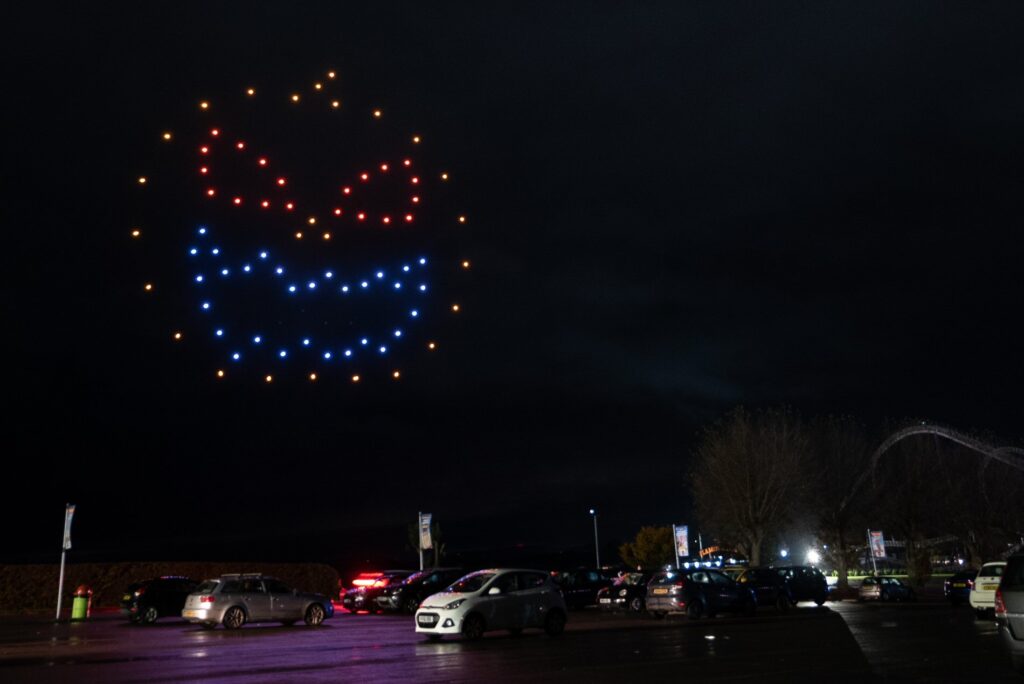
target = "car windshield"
x: 471, y: 583
x: 207, y: 587
x: 631, y: 578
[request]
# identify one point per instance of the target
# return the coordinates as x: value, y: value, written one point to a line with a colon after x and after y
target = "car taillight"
x: 207, y: 599
x: 970, y: 584
x: 1000, y: 604
x: 380, y: 583
x: 140, y: 591
x: 679, y: 585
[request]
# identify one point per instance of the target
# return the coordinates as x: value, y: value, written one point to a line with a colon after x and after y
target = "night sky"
x: 675, y: 209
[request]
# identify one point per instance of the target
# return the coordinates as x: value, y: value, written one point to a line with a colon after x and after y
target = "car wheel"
x: 134, y: 618
x: 149, y: 615
x: 516, y: 631
x: 208, y: 625
x: 288, y: 623
x: 411, y: 605
x: 636, y: 605
x: 885, y: 596
x: 554, y: 624
x: 314, y: 615
x: 658, y: 614
x: 473, y: 627
x: 782, y: 603
x: 695, y: 610
x: 434, y: 637
x: 820, y: 601
x: 234, y: 618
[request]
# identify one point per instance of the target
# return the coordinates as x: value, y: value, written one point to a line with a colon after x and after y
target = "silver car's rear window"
x: 1014, y: 575
x: 207, y: 587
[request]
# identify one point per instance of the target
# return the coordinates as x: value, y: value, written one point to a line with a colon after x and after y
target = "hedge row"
x: 34, y: 587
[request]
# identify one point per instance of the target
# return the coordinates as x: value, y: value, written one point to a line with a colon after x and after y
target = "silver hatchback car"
x: 233, y: 600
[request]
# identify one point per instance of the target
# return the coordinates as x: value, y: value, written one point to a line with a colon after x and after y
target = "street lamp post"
x: 597, y: 545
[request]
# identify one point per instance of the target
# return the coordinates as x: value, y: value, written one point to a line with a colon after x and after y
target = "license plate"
x: 959, y: 585
x: 188, y: 613
x: 660, y: 591
x: 426, y: 619
x: 606, y: 600
x: 990, y: 587
x: 127, y: 597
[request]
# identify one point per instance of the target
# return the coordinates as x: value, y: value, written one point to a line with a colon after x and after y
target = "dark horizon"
x: 674, y: 210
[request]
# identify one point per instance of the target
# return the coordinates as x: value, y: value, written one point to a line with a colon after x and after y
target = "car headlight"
x: 454, y: 604
x: 622, y: 592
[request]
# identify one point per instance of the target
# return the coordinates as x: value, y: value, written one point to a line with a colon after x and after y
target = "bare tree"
x: 841, y: 453
x: 749, y: 478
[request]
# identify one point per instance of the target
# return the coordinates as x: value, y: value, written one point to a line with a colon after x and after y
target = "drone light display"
x: 290, y: 234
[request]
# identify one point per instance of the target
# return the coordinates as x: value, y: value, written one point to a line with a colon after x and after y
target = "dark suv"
x: 407, y: 595
x: 1010, y: 609
x: 367, y: 586
x: 698, y: 592
x: 148, y: 601
x: 580, y: 587
x: 785, y: 586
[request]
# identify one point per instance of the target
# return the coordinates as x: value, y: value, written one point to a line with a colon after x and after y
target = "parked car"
x: 147, y: 601
x: 1009, y: 609
x: 885, y: 589
x: 957, y: 589
x: 627, y: 592
x: 234, y: 600
x: 580, y: 587
x: 490, y: 600
x: 367, y: 586
x: 406, y: 596
x: 697, y: 592
x: 983, y: 592
x: 783, y: 587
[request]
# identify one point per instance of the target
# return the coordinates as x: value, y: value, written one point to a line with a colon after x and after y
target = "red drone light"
x: 204, y: 149
x: 263, y: 161
x: 237, y: 201
x: 361, y: 216
x: 281, y: 181
x: 364, y: 176
x: 383, y: 167
x: 415, y: 180
x: 415, y: 200
x: 214, y: 132
x: 264, y: 204
x: 337, y: 211
x: 346, y: 190
x: 407, y: 162
x: 408, y: 218
x: 203, y: 169
x: 240, y: 145
x: 289, y: 206
x: 386, y: 219
x: 211, y: 192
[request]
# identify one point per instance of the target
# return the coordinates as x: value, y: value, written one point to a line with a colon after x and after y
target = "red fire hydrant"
x: 81, y: 605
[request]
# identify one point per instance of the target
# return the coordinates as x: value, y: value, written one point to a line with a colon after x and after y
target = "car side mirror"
x: 494, y: 591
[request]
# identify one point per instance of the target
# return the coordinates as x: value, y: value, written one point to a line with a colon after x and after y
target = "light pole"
x: 597, y: 545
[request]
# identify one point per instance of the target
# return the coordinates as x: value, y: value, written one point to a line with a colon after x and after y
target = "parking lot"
x: 842, y: 641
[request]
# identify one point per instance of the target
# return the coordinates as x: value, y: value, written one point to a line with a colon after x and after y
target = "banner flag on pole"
x: 682, y: 536
x: 69, y: 511
x: 877, y: 544
x: 425, y: 541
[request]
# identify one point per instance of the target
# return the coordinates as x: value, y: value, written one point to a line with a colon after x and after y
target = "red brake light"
x: 140, y: 591
x: 680, y: 584
x: 207, y: 599
x: 1000, y: 604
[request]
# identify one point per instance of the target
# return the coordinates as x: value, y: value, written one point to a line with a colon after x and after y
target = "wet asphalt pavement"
x: 843, y: 642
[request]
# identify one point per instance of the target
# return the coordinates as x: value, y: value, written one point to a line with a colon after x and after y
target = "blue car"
x: 957, y: 589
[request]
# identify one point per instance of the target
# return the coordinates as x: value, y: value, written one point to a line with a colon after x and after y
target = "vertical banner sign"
x: 425, y: 541
x: 69, y: 512
x: 682, y: 537
x: 877, y: 544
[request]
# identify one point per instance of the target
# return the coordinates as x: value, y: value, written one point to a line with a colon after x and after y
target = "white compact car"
x: 490, y: 600
x: 983, y: 592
